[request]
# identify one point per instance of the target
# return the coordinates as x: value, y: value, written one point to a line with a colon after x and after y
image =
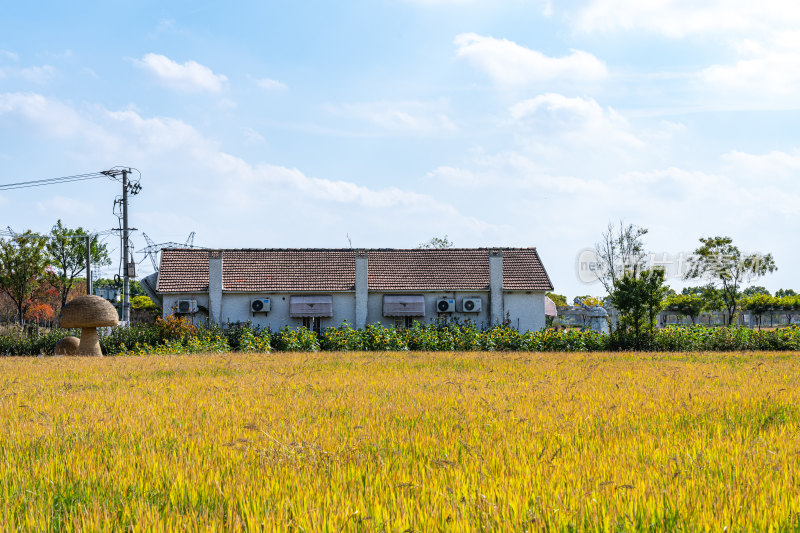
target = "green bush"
x: 295, y: 340
x: 31, y: 340
x: 179, y: 336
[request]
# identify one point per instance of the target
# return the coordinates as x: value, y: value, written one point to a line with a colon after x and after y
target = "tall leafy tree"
x: 67, y: 248
x: 620, y: 252
x: 721, y: 262
x: 23, y: 260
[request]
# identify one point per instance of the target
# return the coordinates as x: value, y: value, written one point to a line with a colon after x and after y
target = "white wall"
x: 236, y: 308
x: 171, y: 302
x: 375, y: 307
x: 526, y: 311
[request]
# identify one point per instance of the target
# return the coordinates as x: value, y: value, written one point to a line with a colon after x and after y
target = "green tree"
x: 638, y: 297
x: 558, y: 299
x: 712, y: 297
x: 720, y: 261
x: 780, y: 293
x: 790, y: 305
x: 690, y: 305
x: 23, y: 260
x: 135, y: 287
x: 756, y: 289
x: 437, y: 243
x: 588, y: 300
x: 758, y: 304
x: 67, y: 248
x: 143, y: 303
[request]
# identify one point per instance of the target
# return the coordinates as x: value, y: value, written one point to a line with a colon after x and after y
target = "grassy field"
x: 402, y: 441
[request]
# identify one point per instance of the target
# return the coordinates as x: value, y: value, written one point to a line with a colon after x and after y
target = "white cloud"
x: 271, y: 85
x: 508, y: 63
x: 555, y: 126
x: 460, y: 176
x: 227, y: 104
x: 64, y: 206
x: 411, y: 117
x: 55, y: 120
x: 770, y: 67
x: 188, y: 172
x: 189, y: 76
x: 762, y: 35
x: 514, y: 171
x: 443, y: 2
x: 9, y: 55
x: 547, y: 8
x: 679, y: 18
x: 776, y: 167
x: 251, y: 136
x: 39, y: 75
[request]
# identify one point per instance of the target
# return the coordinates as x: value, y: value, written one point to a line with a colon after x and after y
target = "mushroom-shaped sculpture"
x: 88, y: 313
x: 67, y: 346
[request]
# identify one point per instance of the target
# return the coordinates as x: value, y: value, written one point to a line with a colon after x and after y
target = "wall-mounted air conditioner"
x: 471, y: 305
x: 446, y: 305
x: 260, y: 305
x: 186, y: 307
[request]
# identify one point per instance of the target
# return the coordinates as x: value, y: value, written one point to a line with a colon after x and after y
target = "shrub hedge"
x: 174, y: 335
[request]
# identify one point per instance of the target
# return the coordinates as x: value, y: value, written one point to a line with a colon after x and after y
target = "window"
x: 313, y: 323
x: 403, y: 321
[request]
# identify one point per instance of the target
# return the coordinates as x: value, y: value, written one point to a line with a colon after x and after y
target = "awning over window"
x: 300, y: 306
x: 403, y: 305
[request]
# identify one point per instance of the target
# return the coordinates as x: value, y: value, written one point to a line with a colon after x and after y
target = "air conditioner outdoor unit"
x: 471, y: 305
x: 260, y: 305
x: 186, y: 307
x: 445, y: 305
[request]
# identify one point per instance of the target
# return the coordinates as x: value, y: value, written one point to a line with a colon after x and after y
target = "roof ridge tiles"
x: 333, y: 269
x: 464, y: 249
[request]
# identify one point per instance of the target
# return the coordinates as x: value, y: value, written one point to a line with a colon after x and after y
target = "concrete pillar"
x: 496, y: 308
x: 362, y: 288
x: 215, y: 286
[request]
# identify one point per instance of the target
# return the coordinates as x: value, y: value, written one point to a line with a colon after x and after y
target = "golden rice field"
x: 402, y: 442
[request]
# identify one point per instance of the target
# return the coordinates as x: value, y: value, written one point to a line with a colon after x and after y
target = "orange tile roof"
x: 332, y: 270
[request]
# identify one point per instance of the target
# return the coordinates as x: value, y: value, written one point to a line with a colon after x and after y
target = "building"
x: 319, y: 288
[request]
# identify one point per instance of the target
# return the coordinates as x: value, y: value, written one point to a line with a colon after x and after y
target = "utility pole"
x: 89, y: 264
x: 128, y: 189
x: 126, y: 311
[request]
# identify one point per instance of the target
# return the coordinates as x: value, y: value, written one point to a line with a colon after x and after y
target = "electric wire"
x: 52, y: 181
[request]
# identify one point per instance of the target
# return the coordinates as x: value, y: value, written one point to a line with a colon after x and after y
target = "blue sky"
x: 505, y: 122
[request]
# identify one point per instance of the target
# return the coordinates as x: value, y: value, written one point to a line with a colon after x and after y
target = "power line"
x: 130, y: 187
x: 52, y: 181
